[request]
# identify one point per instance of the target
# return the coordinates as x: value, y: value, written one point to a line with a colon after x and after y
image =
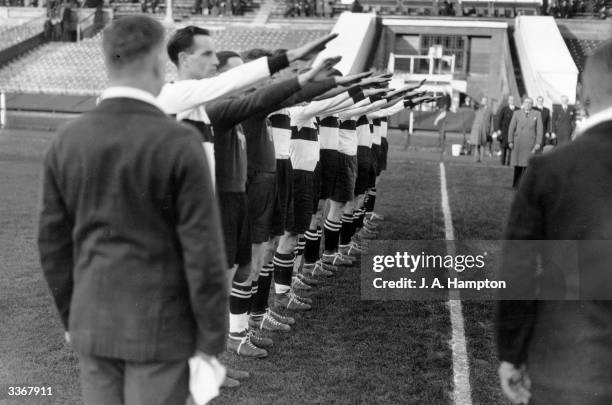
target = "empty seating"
x: 78, y: 68
x: 13, y: 32
x: 580, y: 49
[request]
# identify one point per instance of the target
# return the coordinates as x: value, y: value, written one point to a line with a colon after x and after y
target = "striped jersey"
x: 376, y: 133
x: 384, y: 127
x: 329, y: 132
x: 364, y: 133
x: 280, y: 122
x: 347, y: 139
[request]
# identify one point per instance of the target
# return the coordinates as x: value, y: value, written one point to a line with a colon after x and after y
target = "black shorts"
x: 261, y: 192
x: 364, y: 166
x: 346, y: 175
x: 303, y: 198
x: 283, y: 210
x: 328, y: 167
x: 375, y: 170
x: 384, y: 151
x: 236, y: 228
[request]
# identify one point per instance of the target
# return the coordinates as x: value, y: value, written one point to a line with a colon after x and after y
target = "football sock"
x: 311, y: 248
x: 347, y: 229
x: 358, y: 218
x: 259, y: 302
x: 332, y: 233
x: 370, y: 200
x: 283, y: 271
x: 240, y: 300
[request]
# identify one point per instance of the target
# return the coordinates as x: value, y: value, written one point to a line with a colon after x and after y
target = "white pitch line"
x: 462, y: 391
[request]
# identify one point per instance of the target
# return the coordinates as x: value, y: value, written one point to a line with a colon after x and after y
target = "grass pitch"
x: 343, y: 351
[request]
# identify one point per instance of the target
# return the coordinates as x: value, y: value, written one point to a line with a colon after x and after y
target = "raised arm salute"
x: 198, y: 83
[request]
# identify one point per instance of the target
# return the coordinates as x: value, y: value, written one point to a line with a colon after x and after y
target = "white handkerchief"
x: 205, y: 378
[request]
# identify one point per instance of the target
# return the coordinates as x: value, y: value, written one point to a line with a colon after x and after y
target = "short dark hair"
x: 130, y: 38
x: 182, y: 40
x: 255, y: 53
x: 224, y: 56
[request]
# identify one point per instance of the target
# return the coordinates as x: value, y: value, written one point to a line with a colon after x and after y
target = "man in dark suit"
x: 560, y: 352
x: 545, y: 114
x: 130, y: 238
x: 563, y: 122
x: 502, y: 123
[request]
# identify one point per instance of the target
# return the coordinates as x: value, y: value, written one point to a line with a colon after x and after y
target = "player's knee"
x: 273, y: 245
x: 243, y: 273
x: 287, y: 243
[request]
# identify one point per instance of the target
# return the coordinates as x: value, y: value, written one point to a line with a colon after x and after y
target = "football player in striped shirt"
x: 193, y: 52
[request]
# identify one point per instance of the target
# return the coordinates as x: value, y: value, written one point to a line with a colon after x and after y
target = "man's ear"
x: 182, y: 58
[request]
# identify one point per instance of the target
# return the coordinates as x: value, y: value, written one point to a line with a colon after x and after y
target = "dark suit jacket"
x: 545, y: 113
x: 565, y: 197
x: 502, y: 122
x: 130, y: 238
x: 563, y: 123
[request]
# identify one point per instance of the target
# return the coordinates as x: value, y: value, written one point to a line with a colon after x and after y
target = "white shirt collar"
x: 130, y: 92
x: 596, y: 119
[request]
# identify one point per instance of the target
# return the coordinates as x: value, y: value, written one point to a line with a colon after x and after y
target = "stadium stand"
x: 546, y: 64
x: 77, y: 68
x: 580, y: 49
x: 467, y: 8
x: 122, y: 8
x: 13, y: 31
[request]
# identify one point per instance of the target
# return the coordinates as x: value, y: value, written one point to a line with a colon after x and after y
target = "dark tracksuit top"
x: 229, y: 140
x: 259, y: 132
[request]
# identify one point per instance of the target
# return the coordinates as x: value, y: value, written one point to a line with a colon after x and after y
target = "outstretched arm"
x: 228, y: 113
x: 183, y: 95
x: 364, y: 110
x: 389, y: 111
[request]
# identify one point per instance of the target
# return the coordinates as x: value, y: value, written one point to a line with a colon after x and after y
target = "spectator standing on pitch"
x: 501, y: 126
x: 560, y: 352
x: 481, y: 129
x: 563, y: 122
x: 127, y: 201
x: 444, y: 105
x: 524, y: 137
x: 545, y: 113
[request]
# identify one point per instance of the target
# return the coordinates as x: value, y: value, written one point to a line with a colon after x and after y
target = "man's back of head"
x: 133, y: 53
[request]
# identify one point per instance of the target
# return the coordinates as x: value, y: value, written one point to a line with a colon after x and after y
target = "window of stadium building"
x: 451, y: 45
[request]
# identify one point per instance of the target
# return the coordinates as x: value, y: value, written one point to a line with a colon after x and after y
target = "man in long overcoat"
x: 525, y: 137
x: 481, y: 129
